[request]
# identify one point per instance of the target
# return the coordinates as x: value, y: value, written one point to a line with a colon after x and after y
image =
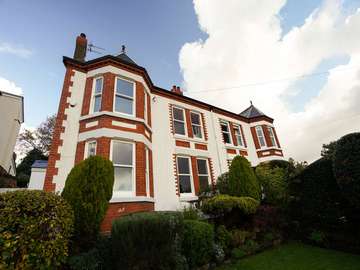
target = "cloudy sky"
x: 298, y: 61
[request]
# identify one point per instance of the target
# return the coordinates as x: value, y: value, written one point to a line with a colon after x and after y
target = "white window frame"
x: 198, y: 125
x: 257, y: 129
x: 132, y: 193
x: 239, y: 135
x: 272, y: 136
x: 147, y: 171
x: 207, y: 169
x: 190, y: 174
x: 94, y: 94
x: 184, y: 122
x: 86, y: 154
x: 229, y: 131
x: 125, y: 96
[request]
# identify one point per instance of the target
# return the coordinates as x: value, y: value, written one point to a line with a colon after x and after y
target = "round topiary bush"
x: 35, y: 228
x: 346, y: 165
x: 88, y: 189
x: 242, y: 180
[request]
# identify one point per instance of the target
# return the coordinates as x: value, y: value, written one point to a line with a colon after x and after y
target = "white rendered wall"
x: 37, y: 178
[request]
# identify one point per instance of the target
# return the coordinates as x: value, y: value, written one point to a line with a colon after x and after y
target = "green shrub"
x: 347, y: 167
x: 223, y: 238
x: 238, y: 253
x: 238, y: 237
x: 274, y: 183
x: 88, y: 189
x: 190, y: 213
x: 147, y: 241
x: 242, y: 180
x: 35, y: 228
x: 222, y: 183
x: 222, y: 204
x: 197, y: 244
x: 318, y: 237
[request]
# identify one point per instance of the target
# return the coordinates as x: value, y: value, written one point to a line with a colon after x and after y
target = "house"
x: 37, y: 177
x: 164, y: 146
x: 11, y: 118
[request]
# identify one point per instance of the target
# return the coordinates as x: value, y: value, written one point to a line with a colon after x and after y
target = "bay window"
x: 179, y: 121
x: 90, y: 149
x: 260, y: 135
x: 196, y: 124
x: 225, y: 130
x: 184, y: 175
x: 272, y: 137
x: 124, y: 96
x: 97, y: 93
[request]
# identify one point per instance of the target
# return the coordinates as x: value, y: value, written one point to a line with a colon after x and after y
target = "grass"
x: 296, y: 256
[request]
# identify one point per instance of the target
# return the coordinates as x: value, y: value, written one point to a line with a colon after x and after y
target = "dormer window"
x: 124, y: 96
x: 97, y: 93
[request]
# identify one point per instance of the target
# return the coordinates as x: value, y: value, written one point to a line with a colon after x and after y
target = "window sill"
x: 118, y: 199
x: 184, y: 198
x: 184, y: 137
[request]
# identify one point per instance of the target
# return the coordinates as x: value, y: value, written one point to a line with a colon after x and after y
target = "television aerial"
x: 95, y: 49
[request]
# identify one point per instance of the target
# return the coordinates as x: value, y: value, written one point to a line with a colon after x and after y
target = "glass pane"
x: 123, y: 179
x: 178, y: 114
x: 123, y: 105
x: 98, y: 85
x: 195, y: 118
x: 91, y: 149
x: 239, y: 140
x: 262, y: 141
x: 224, y: 127
x: 204, y: 182
x: 196, y: 131
x: 183, y: 165
x: 97, y: 104
x: 179, y: 128
x: 125, y: 88
x: 226, y: 137
x: 185, y: 185
x: 122, y: 153
x: 202, y: 166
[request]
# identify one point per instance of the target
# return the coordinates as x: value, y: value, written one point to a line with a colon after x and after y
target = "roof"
x: 252, y: 112
x: 40, y: 164
x: 125, y: 58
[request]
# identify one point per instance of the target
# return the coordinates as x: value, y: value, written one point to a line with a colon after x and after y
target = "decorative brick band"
x: 231, y: 151
x: 243, y: 153
x: 58, y: 129
x: 201, y: 146
x: 269, y: 152
x: 182, y: 143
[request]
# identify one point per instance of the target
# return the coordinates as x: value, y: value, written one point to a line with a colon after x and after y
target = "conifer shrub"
x: 88, y: 189
x: 242, y: 181
x: 35, y: 228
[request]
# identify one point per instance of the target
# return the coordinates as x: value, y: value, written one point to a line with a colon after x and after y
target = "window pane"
x: 262, y: 141
x: 204, y: 182
x: 123, y: 105
x: 125, y: 88
x: 226, y: 137
x: 202, y: 166
x: 224, y: 127
x: 179, y: 128
x: 97, y: 104
x: 91, y: 149
x: 195, y: 118
x: 183, y: 165
x: 98, y: 85
x: 178, y: 114
x: 123, y: 179
x: 185, y: 185
x: 122, y: 153
x: 197, y: 131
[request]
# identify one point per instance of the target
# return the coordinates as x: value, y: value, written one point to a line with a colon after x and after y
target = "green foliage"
x: 6, y: 180
x: 347, y: 167
x: 223, y: 238
x: 316, y: 197
x: 222, y: 183
x: 147, y: 241
x: 328, y: 150
x: 238, y: 253
x: 274, y: 183
x: 35, y: 228
x: 238, y: 237
x: 197, y: 244
x: 222, y: 204
x: 242, y: 179
x: 88, y: 189
x: 318, y: 237
x: 190, y: 213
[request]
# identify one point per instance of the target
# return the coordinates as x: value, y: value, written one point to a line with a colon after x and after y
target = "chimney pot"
x: 176, y: 89
x: 80, y: 48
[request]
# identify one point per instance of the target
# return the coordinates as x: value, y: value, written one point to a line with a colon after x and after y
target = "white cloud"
x: 16, y: 50
x: 245, y: 45
x: 10, y: 87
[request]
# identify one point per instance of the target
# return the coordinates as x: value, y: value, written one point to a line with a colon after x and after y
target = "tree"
x: 88, y: 189
x: 242, y: 179
x: 328, y: 150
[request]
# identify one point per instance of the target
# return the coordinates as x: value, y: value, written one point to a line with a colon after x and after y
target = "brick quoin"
x: 58, y: 129
x: 212, y: 174
x: 177, y: 185
x: 116, y: 210
x: 204, y: 127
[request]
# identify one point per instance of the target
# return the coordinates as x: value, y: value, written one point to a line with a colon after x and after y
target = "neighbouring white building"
x: 164, y: 146
x: 11, y: 118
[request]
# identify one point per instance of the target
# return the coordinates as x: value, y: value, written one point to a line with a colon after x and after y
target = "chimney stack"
x: 80, y: 48
x: 176, y: 89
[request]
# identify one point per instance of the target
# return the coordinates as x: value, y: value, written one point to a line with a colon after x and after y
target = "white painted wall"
x: 37, y: 178
x: 11, y: 112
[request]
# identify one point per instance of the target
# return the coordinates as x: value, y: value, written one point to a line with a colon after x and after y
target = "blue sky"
x: 153, y: 32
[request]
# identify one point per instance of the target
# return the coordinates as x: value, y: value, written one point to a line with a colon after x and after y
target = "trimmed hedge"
x: 88, y: 189
x: 242, y: 179
x: 222, y: 204
x: 347, y: 167
x: 35, y: 228
x: 147, y: 241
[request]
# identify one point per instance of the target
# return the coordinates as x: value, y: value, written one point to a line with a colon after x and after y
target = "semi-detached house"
x: 164, y: 146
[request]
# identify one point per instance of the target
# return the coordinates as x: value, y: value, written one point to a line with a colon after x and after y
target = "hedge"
x: 35, y: 228
x: 88, y: 189
x: 147, y: 241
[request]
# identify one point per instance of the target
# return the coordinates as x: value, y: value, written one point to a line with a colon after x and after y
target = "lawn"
x: 295, y: 256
